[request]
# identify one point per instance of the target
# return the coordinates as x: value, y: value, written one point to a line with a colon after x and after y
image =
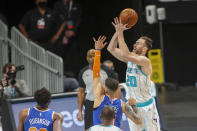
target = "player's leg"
x: 151, y: 122
x: 156, y: 120
x: 132, y: 125
x: 88, y: 114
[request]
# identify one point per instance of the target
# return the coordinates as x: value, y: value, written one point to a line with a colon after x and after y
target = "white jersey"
x: 104, y: 128
x: 138, y: 83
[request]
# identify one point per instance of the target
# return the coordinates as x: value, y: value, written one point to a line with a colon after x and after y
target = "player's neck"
x: 40, y: 107
x: 90, y: 67
x: 111, y: 96
x: 107, y: 123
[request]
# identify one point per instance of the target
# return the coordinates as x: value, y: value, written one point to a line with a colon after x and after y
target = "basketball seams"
x: 129, y: 16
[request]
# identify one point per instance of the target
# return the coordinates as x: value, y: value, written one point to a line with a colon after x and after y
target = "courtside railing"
x: 3, y: 46
x: 42, y: 68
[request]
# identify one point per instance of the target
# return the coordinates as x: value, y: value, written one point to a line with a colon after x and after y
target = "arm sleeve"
x: 97, y: 63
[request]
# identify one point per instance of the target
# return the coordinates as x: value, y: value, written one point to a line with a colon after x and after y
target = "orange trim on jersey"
x: 27, y: 114
x: 97, y: 63
x: 41, y: 110
x: 52, y: 115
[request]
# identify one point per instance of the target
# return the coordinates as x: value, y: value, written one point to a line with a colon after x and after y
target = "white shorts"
x: 150, y: 119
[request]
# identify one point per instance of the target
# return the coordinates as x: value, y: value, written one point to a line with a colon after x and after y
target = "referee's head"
x: 90, y: 56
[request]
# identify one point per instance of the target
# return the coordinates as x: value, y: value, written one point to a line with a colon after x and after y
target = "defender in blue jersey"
x: 138, y: 73
x: 40, y: 117
x: 107, y: 116
x: 106, y: 95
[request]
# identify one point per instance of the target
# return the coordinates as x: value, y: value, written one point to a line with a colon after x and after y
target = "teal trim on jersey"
x: 105, y: 126
x: 141, y: 70
x: 145, y: 103
x: 90, y: 129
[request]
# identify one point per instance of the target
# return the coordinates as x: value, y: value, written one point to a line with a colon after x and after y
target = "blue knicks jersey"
x: 38, y: 120
x: 116, y: 104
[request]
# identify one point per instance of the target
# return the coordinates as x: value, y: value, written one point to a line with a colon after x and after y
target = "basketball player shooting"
x: 138, y: 73
x: 105, y: 95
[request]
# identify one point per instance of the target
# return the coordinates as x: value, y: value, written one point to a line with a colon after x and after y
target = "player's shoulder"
x: 24, y: 112
x: 57, y: 116
x: 144, y: 57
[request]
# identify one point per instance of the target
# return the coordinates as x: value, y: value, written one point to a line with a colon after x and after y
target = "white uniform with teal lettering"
x: 138, y: 86
x: 104, y: 128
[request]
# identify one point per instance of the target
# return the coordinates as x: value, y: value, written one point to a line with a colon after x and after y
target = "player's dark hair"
x: 42, y: 96
x: 111, y: 84
x: 148, y: 42
x: 108, y: 113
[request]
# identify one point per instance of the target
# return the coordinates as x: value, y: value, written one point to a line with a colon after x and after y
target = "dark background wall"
x: 180, y: 30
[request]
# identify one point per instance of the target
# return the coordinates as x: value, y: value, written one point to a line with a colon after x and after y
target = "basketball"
x: 128, y: 16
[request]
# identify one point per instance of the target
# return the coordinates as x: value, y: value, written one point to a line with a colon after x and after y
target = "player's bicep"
x: 57, y: 121
x: 21, y: 121
x: 98, y: 92
x: 139, y: 60
x: 123, y: 106
x: 97, y: 88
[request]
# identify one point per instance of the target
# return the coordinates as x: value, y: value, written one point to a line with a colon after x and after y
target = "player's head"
x: 107, y: 114
x: 111, y: 85
x: 42, y: 97
x: 142, y: 45
x: 109, y: 64
x: 41, y: 3
x: 90, y: 56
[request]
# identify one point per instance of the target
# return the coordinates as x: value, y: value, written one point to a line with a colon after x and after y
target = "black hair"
x: 111, y: 84
x: 108, y: 113
x: 42, y: 96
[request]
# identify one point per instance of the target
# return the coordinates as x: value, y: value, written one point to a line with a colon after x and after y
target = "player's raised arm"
x: 113, y: 49
x: 98, y: 90
x: 138, y: 59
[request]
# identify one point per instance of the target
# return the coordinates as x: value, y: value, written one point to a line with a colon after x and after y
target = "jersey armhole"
x: 52, y: 115
x: 100, y: 103
x: 28, y: 111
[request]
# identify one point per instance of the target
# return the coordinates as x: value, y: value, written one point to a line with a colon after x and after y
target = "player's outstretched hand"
x: 100, y: 43
x: 118, y: 25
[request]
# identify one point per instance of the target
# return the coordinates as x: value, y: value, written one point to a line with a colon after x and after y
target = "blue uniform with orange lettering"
x: 116, y: 104
x: 39, y: 120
